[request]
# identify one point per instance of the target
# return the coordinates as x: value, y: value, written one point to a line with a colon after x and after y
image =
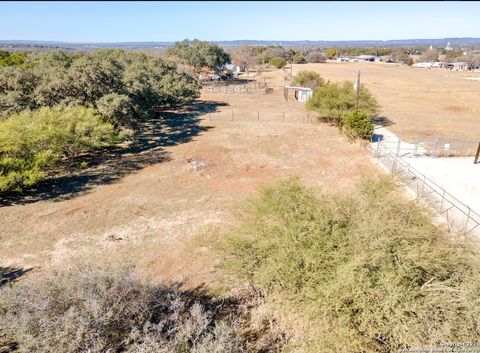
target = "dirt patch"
x: 456, y: 109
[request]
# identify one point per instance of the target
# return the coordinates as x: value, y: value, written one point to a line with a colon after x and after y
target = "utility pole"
x: 477, y: 155
x: 356, y: 86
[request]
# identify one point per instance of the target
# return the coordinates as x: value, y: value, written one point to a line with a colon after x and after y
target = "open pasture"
x: 418, y: 103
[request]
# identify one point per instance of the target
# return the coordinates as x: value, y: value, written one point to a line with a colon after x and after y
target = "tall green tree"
x: 309, y: 79
x: 137, y: 85
x: 199, y: 54
x: 335, y: 101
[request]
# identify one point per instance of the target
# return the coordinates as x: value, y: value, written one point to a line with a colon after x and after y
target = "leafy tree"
x: 453, y: 55
x: 32, y: 141
x: 4, y: 54
x: 332, y: 53
x: 310, y: 79
x: 298, y: 59
x: 278, y: 51
x: 358, y: 125
x: 278, y: 62
x: 117, y: 108
x: 244, y: 56
x: 199, y: 54
x: 17, y: 89
x: 315, y: 57
x: 472, y: 60
x: 12, y: 59
x: 334, y: 101
x: 145, y: 84
x: 400, y: 56
x: 430, y: 55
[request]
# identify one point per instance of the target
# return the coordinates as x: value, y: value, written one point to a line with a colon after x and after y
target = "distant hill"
x: 45, y: 45
x: 358, y: 43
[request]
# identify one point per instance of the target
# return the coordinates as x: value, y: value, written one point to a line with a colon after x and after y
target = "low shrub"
x: 358, y: 125
x: 368, y: 272
x: 278, y: 62
x: 32, y: 141
x: 93, y: 310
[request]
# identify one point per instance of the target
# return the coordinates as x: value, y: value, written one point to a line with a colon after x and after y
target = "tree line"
x: 255, y: 56
x: 56, y: 105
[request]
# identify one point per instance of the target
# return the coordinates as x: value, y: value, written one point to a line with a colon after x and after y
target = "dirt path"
x: 185, y: 180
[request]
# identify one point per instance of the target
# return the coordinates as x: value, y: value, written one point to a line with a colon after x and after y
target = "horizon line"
x: 233, y: 40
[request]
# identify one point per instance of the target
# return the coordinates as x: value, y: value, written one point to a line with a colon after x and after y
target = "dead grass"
x: 421, y: 103
x: 146, y: 218
x: 97, y: 310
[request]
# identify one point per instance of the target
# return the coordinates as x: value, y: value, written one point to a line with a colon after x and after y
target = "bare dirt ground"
x: 420, y: 103
x: 183, y: 177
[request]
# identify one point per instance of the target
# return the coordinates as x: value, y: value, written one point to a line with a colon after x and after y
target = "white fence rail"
x: 433, y: 148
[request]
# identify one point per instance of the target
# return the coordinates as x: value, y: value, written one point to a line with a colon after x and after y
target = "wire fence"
x: 258, y: 116
x: 233, y: 87
x: 234, y: 83
x: 433, y: 148
x: 459, y: 217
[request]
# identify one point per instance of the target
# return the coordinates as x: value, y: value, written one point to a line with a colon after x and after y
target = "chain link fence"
x: 433, y: 148
x: 459, y: 217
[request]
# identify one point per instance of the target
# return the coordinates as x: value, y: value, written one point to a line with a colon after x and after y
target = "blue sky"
x: 170, y: 21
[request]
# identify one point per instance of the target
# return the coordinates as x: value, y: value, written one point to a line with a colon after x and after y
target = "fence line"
x: 459, y: 217
x: 433, y: 148
x: 258, y: 116
x: 236, y: 88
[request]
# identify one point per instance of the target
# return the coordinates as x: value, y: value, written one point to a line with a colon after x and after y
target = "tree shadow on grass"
x: 383, y: 121
x: 10, y: 274
x: 168, y: 128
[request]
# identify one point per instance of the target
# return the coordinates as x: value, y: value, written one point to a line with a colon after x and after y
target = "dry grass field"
x: 187, y: 180
x: 420, y: 103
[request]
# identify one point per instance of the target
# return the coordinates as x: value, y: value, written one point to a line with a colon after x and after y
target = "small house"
x: 235, y: 68
x: 439, y: 64
x: 365, y: 57
x: 424, y: 65
x: 301, y: 94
